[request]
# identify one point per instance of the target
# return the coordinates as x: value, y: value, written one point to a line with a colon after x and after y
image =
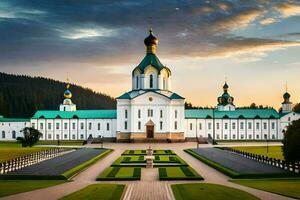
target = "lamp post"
x: 197, y: 140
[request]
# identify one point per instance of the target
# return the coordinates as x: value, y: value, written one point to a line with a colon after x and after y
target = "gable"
x: 151, y: 98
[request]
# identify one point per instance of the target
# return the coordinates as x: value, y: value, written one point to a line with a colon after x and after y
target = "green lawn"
x: 286, y: 187
x: 9, y: 187
x: 196, y: 191
x: 97, y: 192
x: 273, y: 152
x: 120, y: 173
x: 178, y: 173
x: 10, y: 150
x: 61, y: 142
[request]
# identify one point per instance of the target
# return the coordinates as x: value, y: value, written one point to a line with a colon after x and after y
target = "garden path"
x: 144, y: 187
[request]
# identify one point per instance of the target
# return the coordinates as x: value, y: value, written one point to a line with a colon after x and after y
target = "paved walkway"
x: 146, y: 188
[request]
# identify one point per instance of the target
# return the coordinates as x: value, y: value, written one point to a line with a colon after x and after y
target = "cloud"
x: 267, y: 21
x: 80, y: 33
x: 240, y: 20
x: 287, y: 9
x: 202, y: 10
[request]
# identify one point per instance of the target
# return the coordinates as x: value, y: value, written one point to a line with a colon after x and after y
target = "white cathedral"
x: 152, y: 112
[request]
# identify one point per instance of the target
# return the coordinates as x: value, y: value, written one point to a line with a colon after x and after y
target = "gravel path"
x: 236, y: 162
x: 61, y: 164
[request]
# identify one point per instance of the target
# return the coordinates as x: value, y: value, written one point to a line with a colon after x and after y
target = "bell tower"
x: 67, y: 104
x: 287, y: 105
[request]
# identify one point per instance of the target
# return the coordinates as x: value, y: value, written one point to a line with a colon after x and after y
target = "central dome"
x: 151, y: 39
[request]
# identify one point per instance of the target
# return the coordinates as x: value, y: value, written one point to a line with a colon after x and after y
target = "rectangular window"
x: 226, y: 126
x: 139, y: 114
x: 107, y: 126
x: 257, y: 136
x: 161, y: 114
x: 233, y: 125
x: 57, y: 126
x: 41, y: 126
x: 57, y: 136
x: 3, y: 134
x: 273, y: 125
x: 125, y: 125
x: 175, y: 125
x: 273, y: 137
x: 150, y: 113
x: 161, y: 125
x: 249, y: 125
x: 257, y: 126
x: 209, y: 126
x: 73, y: 137
x: 250, y: 137
x: 200, y: 126
x: 33, y: 125
x: 139, y: 125
x: 126, y: 114
x: 90, y: 125
x: 265, y: 125
x: 81, y: 125
x: 265, y: 136
x: 49, y: 126
x: 225, y: 137
x: 73, y: 125
x: 233, y: 137
x: 65, y: 126
x: 242, y: 125
x: 191, y: 126
x: 176, y: 113
x: 218, y: 126
x: 65, y: 136
x: 81, y: 136
x: 99, y: 126
x: 49, y: 136
x: 242, y: 136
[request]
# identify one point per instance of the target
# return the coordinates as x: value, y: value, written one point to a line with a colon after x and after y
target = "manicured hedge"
x: 178, y: 173
x: 117, y: 173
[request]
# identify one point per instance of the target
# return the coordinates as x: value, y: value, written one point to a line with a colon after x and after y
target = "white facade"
x: 151, y: 110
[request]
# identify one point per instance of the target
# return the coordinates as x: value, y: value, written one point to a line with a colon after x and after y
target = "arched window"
x: 3, y: 134
x: 126, y: 114
x: 13, y: 134
x: 139, y: 113
x: 176, y: 113
x: 137, y: 82
x: 151, y: 81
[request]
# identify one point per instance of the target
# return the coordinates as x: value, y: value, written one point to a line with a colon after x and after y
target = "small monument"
x: 149, y: 157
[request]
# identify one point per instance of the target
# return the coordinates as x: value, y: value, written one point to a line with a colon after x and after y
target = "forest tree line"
x: 22, y: 96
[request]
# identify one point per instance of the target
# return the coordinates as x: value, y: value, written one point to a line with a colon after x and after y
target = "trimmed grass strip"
x: 97, y: 191
x: 113, y: 172
x: 196, y: 191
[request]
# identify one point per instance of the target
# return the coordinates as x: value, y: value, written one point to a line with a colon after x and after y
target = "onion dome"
x: 151, y: 39
x: 286, y: 97
x: 68, y: 94
x: 225, y: 98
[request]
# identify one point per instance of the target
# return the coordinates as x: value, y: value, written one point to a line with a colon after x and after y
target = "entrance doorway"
x: 150, y: 131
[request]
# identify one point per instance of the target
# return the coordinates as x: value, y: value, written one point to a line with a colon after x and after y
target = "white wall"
x: 7, y: 129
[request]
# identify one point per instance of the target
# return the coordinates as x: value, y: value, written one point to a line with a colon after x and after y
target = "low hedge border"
x: 79, y: 168
x: 111, y: 175
x: 31, y: 177
x: 235, y: 175
x: 190, y: 174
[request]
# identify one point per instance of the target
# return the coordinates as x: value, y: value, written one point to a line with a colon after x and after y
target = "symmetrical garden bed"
x: 60, y: 168
x: 120, y: 173
x: 236, y: 166
x: 128, y: 166
x: 178, y: 173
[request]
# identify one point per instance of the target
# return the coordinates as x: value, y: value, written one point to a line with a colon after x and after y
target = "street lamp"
x: 213, y: 140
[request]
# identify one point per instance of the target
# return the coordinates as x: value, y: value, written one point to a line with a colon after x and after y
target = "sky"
x: 253, y: 44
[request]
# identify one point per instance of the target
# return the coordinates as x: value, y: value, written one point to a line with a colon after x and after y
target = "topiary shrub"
x: 291, y: 142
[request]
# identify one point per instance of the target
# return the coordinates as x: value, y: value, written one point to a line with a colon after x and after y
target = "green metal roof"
x: 2, y: 119
x: 150, y: 59
x: 80, y: 114
x: 236, y: 114
x: 135, y: 93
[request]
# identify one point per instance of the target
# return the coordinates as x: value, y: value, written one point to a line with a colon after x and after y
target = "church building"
x: 151, y: 111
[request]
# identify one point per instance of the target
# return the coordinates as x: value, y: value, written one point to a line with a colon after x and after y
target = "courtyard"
x: 121, y: 174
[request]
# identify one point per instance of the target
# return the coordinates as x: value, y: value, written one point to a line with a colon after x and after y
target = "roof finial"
x: 286, y: 86
x: 150, y: 25
x: 68, y: 81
